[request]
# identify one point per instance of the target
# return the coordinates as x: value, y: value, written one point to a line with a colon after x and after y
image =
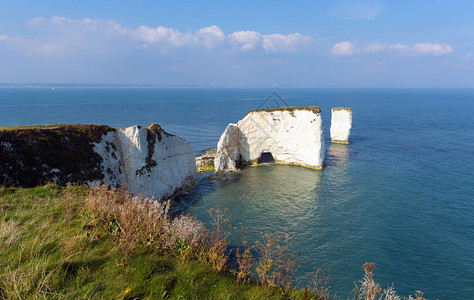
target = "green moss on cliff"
x: 290, y: 109
x: 35, y: 155
x: 342, y: 108
x: 205, y: 162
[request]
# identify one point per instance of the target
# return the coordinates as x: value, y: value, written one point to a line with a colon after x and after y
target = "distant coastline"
x: 208, y: 86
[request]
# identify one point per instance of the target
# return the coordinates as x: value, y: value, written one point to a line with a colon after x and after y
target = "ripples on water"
x: 400, y: 195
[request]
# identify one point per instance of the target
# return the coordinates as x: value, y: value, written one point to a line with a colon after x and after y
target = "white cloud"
x: 274, y: 43
x: 374, y: 48
x: 47, y: 46
x: 432, y: 49
x: 401, y: 48
x: 245, y: 40
x: 210, y: 36
x: 467, y: 57
x: 113, y: 28
x: 63, y: 24
x: 164, y: 35
x: 285, y: 43
x: 63, y: 34
x: 347, y: 48
x: 343, y: 49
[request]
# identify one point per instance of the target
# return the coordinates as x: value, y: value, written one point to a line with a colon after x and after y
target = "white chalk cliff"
x: 292, y: 135
x: 146, y: 160
x: 341, y: 124
x: 227, y: 155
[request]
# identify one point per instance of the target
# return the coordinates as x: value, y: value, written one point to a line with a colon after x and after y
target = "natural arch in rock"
x: 266, y: 157
x: 292, y: 135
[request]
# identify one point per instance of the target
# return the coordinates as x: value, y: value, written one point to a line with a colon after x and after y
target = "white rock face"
x: 227, y: 155
x: 341, y: 124
x: 291, y: 135
x: 110, y: 165
x: 147, y: 160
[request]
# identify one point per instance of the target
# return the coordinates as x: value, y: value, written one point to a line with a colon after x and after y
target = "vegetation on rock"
x: 205, y: 162
x: 35, y: 155
x: 342, y: 108
x: 290, y: 109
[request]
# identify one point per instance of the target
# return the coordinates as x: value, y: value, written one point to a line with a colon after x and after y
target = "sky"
x: 259, y: 43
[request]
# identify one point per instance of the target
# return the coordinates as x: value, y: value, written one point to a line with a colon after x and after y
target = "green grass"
x: 205, y: 162
x: 51, y: 247
x: 94, y: 131
x: 210, y: 152
x: 316, y: 110
x: 207, y: 166
x: 21, y: 127
x: 342, y: 108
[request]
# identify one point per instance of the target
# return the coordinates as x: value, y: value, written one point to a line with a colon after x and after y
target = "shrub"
x: 218, y: 238
x: 244, y: 258
x: 370, y: 290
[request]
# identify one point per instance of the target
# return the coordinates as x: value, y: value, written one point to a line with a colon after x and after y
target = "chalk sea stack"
x: 291, y: 135
x: 341, y: 124
x: 144, y: 160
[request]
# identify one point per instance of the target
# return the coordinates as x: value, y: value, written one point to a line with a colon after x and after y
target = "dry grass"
x: 218, y: 239
x: 186, y: 236
x: 132, y: 220
x: 320, y: 284
x: 77, y: 243
x: 370, y: 290
x: 276, y: 263
x: 106, y: 243
x: 245, y: 259
x: 9, y: 232
x: 32, y: 271
x: 316, y: 110
x: 266, y: 250
x: 137, y: 221
x: 342, y: 108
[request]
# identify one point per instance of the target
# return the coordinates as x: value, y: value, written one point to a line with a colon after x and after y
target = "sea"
x: 400, y: 195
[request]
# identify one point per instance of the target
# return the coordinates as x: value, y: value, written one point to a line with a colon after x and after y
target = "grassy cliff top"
x: 35, y: 155
x: 54, y: 244
x: 94, y: 132
x: 53, y: 126
x: 314, y: 109
x: 342, y: 108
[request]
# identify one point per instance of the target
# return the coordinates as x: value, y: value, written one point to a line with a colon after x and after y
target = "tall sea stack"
x: 341, y: 124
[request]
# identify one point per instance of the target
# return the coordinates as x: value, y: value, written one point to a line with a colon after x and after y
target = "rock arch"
x: 266, y: 157
x: 293, y: 135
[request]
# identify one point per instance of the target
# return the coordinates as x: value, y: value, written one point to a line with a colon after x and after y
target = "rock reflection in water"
x: 266, y: 197
x: 337, y: 154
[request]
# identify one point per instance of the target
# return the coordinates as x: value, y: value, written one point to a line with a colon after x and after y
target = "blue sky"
x: 239, y: 43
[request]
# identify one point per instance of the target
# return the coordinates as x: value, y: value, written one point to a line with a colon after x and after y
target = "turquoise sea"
x: 401, y: 195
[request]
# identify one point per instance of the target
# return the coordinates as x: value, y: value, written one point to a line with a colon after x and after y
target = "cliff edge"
x: 145, y: 160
